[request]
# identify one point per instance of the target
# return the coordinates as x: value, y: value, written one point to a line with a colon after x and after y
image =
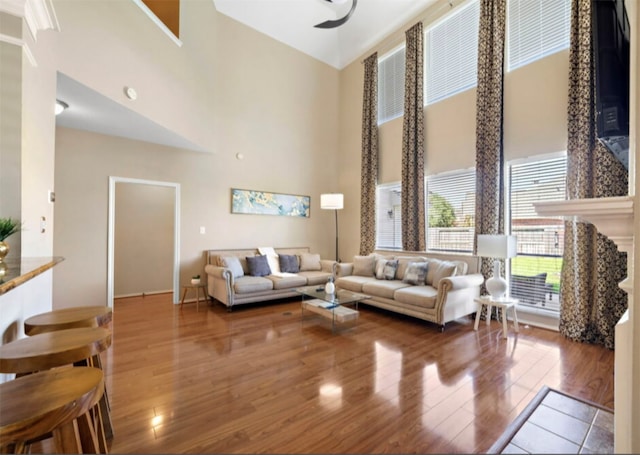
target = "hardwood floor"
x: 259, y: 379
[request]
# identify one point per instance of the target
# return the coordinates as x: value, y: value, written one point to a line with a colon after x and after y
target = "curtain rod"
x: 396, y: 37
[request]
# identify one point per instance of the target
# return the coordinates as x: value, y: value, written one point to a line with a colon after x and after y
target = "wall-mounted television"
x: 610, y: 29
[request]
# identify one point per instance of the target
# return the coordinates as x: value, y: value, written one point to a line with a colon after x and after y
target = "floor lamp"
x: 333, y: 201
x: 498, y: 247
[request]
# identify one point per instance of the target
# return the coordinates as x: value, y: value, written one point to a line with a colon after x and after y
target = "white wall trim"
x: 111, y: 233
x: 158, y: 22
x: 18, y: 42
x: 37, y: 14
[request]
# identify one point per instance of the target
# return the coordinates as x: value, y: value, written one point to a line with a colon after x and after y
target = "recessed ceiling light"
x: 60, y: 107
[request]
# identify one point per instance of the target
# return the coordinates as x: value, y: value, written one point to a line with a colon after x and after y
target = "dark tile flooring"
x: 557, y: 423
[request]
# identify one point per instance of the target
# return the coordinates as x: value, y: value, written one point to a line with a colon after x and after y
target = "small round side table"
x: 197, y: 288
x: 503, y: 304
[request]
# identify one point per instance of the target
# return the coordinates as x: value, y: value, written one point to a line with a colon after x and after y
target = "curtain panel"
x: 489, y: 125
x: 369, y: 160
x: 412, y: 200
x: 591, y: 300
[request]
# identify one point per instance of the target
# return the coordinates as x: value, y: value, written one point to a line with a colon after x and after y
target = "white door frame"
x: 111, y: 233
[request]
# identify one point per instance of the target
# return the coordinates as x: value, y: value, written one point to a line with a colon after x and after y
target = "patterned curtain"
x: 489, y: 124
x: 369, y: 166
x: 592, y: 302
x: 412, y: 202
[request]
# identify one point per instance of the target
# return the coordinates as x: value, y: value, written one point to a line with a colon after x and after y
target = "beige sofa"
x: 445, y: 293
x: 233, y: 286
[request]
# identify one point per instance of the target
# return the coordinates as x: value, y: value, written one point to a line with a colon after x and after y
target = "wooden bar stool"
x: 53, y: 402
x: 54, y: 349
x: 68, y: 318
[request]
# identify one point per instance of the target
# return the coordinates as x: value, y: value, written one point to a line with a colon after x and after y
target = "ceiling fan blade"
x: 338, y: 22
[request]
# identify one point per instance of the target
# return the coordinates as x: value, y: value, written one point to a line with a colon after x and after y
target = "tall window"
x: 451, y: 61
x: 388, y: 229
x: 451, y: 202
x: 391, y: 86
x: 536, y: 28
x: 535, y: 272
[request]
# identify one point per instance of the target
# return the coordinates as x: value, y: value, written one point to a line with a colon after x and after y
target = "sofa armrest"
x: 220, y: 284
x: 344, y: 269
x: 454, y: 283
x: 218, y: 272
x: 327, y: 265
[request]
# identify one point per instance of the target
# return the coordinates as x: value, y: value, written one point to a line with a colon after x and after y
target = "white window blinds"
x: 451, y: 61
x: 451, y: 208
x: 391, y: 69
x: 536, y: 28
x: 388, y: 217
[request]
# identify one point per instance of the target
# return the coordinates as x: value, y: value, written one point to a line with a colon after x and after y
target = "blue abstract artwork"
x: 265, y: 203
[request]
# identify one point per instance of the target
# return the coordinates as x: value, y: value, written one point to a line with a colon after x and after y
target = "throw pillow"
x: 403, y: 263
x: 258, y: 266
x: 416, y: 273
x: 438, y: 270
x: 390, y: 270
x: 380, y: 263
x: 234, y: 265
x: 289, y: 263
x: 364, y: 265
x: 310, y: 262
x: 272, y: 258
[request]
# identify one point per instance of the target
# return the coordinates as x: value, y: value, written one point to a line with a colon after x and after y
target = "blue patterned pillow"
x: 289, y: 263
x: 416, y: 273
x: 390, y: 269
x: 258, y: 266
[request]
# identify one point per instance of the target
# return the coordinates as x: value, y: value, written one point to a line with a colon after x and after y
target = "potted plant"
x: 195, y: 279
x: 8, y: 226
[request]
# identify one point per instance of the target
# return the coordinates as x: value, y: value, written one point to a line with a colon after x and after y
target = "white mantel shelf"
x: 612, y: 216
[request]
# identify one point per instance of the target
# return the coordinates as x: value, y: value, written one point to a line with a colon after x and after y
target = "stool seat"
x: 68, y: 318
x: 46, y: 402
x: 53, y: 349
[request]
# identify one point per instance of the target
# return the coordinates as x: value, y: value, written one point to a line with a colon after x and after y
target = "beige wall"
x: 144, y: 238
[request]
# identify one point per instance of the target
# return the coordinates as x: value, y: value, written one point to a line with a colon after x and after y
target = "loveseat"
x: 434, y: 287
x: 235, y: 277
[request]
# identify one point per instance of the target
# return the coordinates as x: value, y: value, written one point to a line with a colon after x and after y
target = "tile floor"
x: 562, y: 424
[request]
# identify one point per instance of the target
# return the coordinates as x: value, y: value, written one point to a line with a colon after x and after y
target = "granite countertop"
x: 14, y: 272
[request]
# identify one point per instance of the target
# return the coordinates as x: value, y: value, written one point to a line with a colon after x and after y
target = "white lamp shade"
x: 497, y: 246
x: 332, y: 201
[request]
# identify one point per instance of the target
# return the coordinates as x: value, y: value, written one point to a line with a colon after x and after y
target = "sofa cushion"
x: 439, y: 269
x: 380, y: 263
x: 385, y: 289
x: 258, y: 266
x: 289, y: 263
x: 314, y: 277
x: 286, y: 282
x: 233, y: 264
x: 403, y: 262
x: 364, y: 265
x: 416, y: 273
x: 249, y: 284
x: 353, y: 282
x: 420, y: 296
x: 390, y: 269
x: 310, y: 262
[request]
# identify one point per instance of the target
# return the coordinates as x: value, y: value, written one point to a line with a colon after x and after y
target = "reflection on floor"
x: 558, y: 423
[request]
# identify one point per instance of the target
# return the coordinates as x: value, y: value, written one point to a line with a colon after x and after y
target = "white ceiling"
x: 292, y: 22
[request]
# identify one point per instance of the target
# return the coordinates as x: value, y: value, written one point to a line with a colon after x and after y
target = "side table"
x: 197, y: 288
x: 503, y: 304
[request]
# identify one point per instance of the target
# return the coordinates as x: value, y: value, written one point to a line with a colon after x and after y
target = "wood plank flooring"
x: 259, y: 379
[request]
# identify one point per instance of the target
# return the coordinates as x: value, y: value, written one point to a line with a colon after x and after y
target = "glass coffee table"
x: 340, y: 307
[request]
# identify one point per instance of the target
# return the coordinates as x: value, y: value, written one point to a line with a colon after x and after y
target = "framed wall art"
x: 266, y: 203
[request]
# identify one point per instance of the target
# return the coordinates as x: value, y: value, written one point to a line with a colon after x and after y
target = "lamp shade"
x: 332, y: 201
x: 497, y: 246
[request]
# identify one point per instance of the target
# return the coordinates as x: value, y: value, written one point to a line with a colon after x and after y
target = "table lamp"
x: 497, y: 247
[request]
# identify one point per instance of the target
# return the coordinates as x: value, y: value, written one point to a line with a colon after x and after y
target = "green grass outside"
x: 532, y: 265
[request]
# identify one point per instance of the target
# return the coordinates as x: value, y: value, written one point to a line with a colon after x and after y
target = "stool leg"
x: 88, y: 438
x: 184, y: 294
x: 515, y: 319
x: 504, y: 322
x: 67, y: 438
x: 489, y: 308
x: 475, y: 326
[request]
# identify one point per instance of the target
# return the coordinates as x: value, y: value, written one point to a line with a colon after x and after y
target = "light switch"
x: 202, y: 230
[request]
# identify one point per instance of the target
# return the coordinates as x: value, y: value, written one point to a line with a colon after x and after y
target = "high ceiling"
x: 292, y: 22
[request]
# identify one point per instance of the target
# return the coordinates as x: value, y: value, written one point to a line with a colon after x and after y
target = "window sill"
x: 538, y: 317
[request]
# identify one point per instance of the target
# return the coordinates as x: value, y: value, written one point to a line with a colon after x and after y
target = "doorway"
x: 175, y: 243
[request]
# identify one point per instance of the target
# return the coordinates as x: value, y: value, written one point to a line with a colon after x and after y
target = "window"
x: 451, y: 210
x: 388, y: 229
x: 391, y: 86
x: 535, y: 272
x: 451, y: 63
x: 536, y: 28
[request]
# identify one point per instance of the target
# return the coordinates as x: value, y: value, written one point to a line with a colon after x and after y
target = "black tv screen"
x: 610, y: 29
